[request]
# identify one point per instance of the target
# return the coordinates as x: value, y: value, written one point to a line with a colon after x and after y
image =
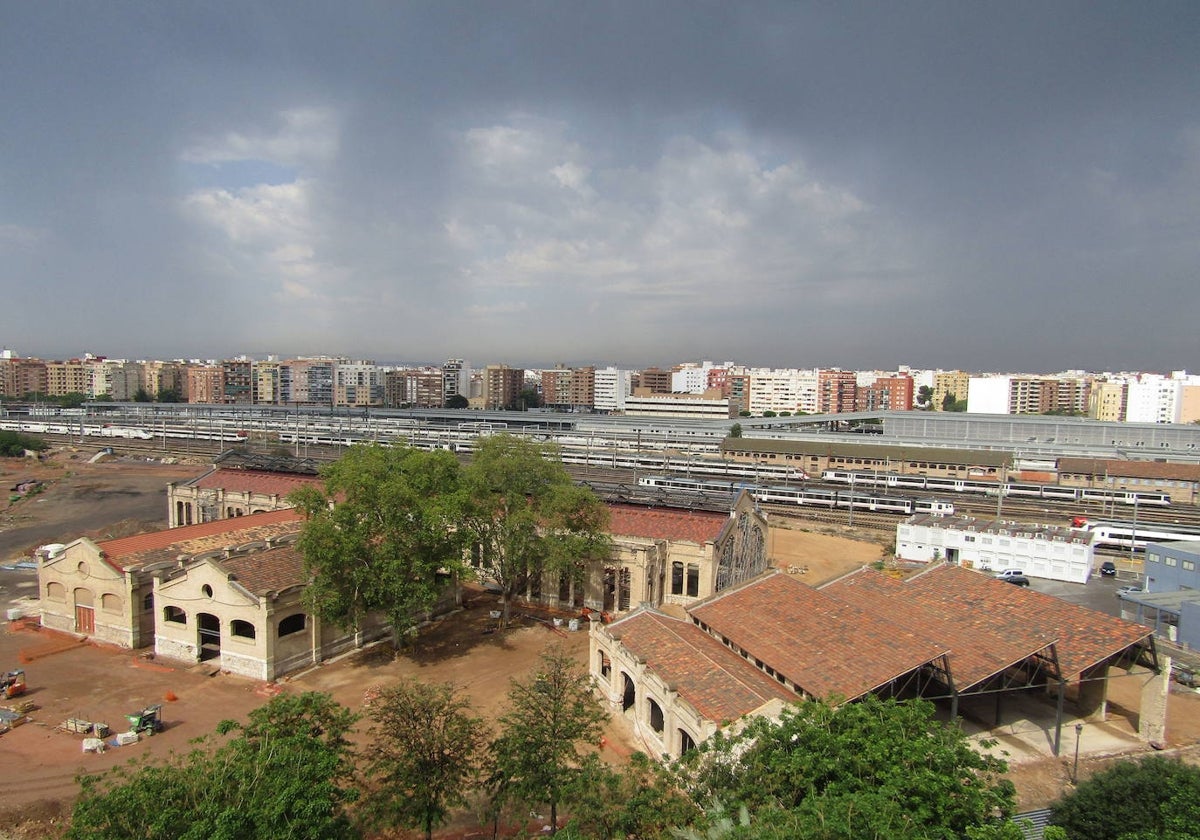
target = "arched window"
x: 110, y: 602
x: 207, y: 590
x: 174, y: 615
x: 241, y: 629
x: 656, y: 716
x: 56, y: 591
x: 292, y: 624
x: 686, y: 742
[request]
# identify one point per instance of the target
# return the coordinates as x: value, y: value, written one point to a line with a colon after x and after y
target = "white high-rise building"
x: 612, y: 387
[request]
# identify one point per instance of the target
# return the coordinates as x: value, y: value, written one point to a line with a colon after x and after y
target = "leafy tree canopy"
x: 13, y: 445
x: 526, y: 516
x: 457, y: 401
x: 551, y: 714
x: 872, y: 768
x: 380, y: 536
x: 735, y: 431
x: 1156, y: 797
x: 426, y: 750
x: 274, y: 780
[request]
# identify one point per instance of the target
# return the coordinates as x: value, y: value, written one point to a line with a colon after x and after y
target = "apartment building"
x: 456, y: 379
x: 69, y: 377
x: 357, y: 384
x: 655, y: 380
x: 956, y: 383
x: 611, y: 386
x: 836, y: 391
x: 204, y: 384
x: 502, y: 387
x: 19, y: 377
x: 413, y: 387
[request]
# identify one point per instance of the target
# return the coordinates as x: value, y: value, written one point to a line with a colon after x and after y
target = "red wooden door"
x: 85, y: 620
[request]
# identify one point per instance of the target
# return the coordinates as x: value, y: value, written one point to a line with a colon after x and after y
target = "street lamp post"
x: 1075, y: 769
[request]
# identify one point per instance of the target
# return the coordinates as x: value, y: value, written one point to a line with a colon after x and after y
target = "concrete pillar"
x: 1152, y: 719
x: 1093, y: 694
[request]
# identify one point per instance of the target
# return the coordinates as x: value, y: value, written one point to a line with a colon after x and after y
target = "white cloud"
x: 297, y: 136
x: 706, y: 226
x: 13, y: 237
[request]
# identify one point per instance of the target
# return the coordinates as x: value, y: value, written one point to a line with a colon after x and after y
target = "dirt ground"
x: 104, y: 684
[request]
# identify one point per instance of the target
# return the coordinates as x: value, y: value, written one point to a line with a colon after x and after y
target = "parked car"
x: 1133, y: 589
x: 1185, y: 675
x: 1108, y: 568
x: 1011, y: 573
x: 1019, y: 580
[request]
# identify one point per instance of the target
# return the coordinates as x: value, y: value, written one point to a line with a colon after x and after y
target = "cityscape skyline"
x: 1011, y: 188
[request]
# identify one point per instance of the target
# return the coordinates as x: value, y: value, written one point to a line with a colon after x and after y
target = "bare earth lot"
x: 104, y: 684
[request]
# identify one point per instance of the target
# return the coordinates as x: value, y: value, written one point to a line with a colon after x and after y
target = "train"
x: 806, y: 496
x: 1134, y: 534
x: 1020, y: 490
x: 35, y: 427
x: 661, y: 462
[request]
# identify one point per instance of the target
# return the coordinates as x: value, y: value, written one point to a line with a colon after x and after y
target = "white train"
x: 126, y: 432
x: 1131, y: 535
x: 657, y: 461
x: 1050, y: 492
x: 807, y: 496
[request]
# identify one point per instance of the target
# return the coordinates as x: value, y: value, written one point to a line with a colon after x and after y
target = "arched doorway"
x: 628, y: 693
x: 210, y: 636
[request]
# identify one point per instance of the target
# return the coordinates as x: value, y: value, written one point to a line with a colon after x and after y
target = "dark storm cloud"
x: 1006, y: 187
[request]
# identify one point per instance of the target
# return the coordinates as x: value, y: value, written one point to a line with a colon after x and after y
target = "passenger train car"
x: 655, y: 461
x: 1135, y: 535
x: 806, y: 496
x: 1050, y: 492
x: 127, y: 432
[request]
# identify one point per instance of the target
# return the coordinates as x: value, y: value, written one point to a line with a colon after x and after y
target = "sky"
x: 1008, y: 186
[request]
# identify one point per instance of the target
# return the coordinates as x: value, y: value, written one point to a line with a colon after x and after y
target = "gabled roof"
x: 720, y: 684
x: 255, y: 481
x: 143, y: 549
x: 974, y: 656
x: 824, y: 645
x: 982, y: 605
x: 665, y: 523
x: 260, y: 573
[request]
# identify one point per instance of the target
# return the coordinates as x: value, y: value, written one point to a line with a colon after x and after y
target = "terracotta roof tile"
x: 666, y: 523
x: 978, y: 604
x: 134, y: 552
x: 720, y: 684
x: 255, y: 481
x: 263, y: 572
x: 824, y: 645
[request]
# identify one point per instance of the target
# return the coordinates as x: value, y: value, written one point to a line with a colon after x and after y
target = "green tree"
x: 274, y: 779
x: 13, y: 445
x: 640, y: 799
x: 457, y: 401
x: 170, y: 395
x: 925, y: 397
x: 872, y: 768
x: 551, y: 713
x: 379, y: 536
x: 1156, y: 797
x: 526, y: 516
x: 735, y: 431
x: 529, y: 398
x: 141, y: 395
x: 426, y: 750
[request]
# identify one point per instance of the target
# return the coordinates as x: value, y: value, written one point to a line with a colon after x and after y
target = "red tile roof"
x: 974, y: 656
x: 263, y: 572
x: 133, y: 552
x: 720, y: 684
x: 255, y: 481
x: 979, y: 604
x: 666, y: 523
x: 824, y: 645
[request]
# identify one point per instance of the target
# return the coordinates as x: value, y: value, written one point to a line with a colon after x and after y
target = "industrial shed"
x: 949, y: 635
